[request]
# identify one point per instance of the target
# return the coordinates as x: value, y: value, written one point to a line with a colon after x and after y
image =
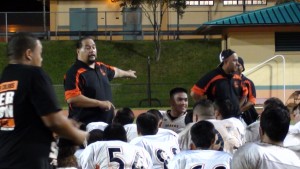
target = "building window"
x: 287, y: 41
x: 247, y: 2
x: 200, y: 3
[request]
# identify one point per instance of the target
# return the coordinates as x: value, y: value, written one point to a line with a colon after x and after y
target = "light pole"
x: 44, y: 16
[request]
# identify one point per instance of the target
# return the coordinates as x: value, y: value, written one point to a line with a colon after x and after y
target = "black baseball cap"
x: 224, y: 55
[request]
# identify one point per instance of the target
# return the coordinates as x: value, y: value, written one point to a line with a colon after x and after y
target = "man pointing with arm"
x: 87, y: 85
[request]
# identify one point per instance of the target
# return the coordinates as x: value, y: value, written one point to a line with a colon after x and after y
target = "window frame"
x: 248, y: 2
x: 200, y: 2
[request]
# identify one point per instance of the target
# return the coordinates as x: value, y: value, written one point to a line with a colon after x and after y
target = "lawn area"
x: 182, y: 63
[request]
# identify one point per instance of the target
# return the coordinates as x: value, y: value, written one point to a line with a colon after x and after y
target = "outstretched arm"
x: 124, y: 73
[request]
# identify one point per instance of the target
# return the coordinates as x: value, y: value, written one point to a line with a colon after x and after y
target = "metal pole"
x: 6, y: 28
x: 44, y: 16
x: 105, y: 29
x: 148, y: 85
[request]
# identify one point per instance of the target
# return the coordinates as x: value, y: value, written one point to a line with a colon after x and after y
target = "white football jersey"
x: 201, y: 159
x: 177, y: 125
x: 252, y: 132
x: 131, y: 131
x: 264, y: 156
x: 161, y: 147
x: 96, y: 125
x: 114, y: 154
x: 295, y: 129
x: 241, y: 127
x: 163, y: 131
x: 228, y: 136
x: 293, y: 137
x: 291, y: 140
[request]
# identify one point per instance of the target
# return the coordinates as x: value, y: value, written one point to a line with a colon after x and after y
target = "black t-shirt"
x: 26, y: 94
x: 92, y: 83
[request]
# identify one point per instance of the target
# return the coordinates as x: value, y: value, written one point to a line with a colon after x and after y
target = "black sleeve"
x: 43, y: 95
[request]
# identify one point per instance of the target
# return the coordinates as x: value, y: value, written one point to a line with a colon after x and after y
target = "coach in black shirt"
x: 87, y: 87
x: 219, y: 84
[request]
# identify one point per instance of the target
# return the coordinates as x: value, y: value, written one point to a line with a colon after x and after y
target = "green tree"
x: 179, y: 6
x: 154, y: 10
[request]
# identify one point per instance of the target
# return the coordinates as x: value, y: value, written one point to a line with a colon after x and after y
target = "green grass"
x: 182, y: 63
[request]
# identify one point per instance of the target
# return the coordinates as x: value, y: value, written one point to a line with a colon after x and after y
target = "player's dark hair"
x: 147, y: 124
x: 19, y: 43
x: 79, y: 42
x: 124, y: 116
x: 224, y: 107
x: 273, y: 102
x: 115, y: 131
x: 177, y: 90
x: 156, y: 113
x: 203, y: 134
x: 275, y: 122
x: 95, y: 135
x: 204, y: 107
x: 66, y: 151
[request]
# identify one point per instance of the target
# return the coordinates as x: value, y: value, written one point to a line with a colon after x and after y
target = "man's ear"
x: 195, y: 117
x: 159, y: 123
x: 217, y: 114
x: 28, y: 54
x: 193, y: 146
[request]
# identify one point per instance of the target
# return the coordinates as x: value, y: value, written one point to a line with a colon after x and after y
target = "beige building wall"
x: 258, y: 47
x: 110, y: 14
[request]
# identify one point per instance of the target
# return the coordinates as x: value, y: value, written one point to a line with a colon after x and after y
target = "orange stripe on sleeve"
x: 201, y: 91
x: 108, y: 66
x: 198, y: 90
x: 72, y: 93
x: 75, y: 92
x: 251, y: 97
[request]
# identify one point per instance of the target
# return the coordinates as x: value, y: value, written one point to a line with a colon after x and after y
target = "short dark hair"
x: 79, y: 42
x: 114, y: 131
x: 66, y: 151
x: 225, y: 107
x: 205, y: 107
x: 124, y: 116
x: 19, y: 43
x: 275, y: 122
x: 177, y: 90
x: 95, y: 135
x: 147, y: 124
x: 273, y: 102
x: 203, y: 134
x: 156, y: 113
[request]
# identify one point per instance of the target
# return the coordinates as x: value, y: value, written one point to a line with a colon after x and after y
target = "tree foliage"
x: 154, y: 10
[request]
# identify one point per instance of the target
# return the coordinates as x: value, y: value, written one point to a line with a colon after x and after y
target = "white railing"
x: 263, y: 63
